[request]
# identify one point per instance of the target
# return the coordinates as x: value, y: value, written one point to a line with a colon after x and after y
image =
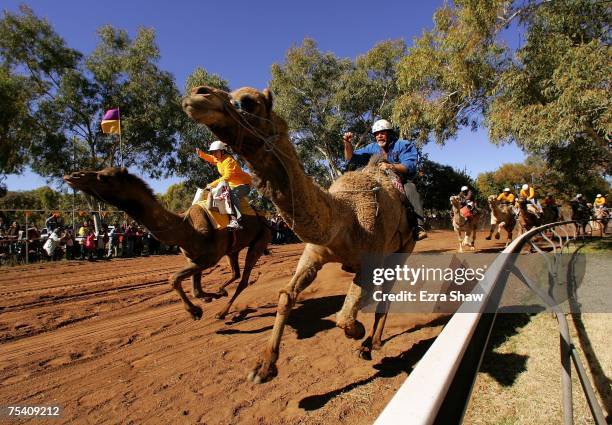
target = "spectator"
x: 89, y: 245
x: 70, y: 244
x: 101, y: 243
x: 52, y: 245
x: 113, y: 241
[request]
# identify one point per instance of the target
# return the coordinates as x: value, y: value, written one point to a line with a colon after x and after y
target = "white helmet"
x: 217, y: 145
x: 525, y: 186
x: 464, y: 188
x: 599, y: 195
x: 506, y: 189
x: 381, y: 125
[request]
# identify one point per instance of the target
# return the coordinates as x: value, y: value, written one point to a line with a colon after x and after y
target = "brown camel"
x: 465, y: 228
x: 601, y: 216
x: 362, y: 212
x: 502, y: 217
x: 527, y: 218
x: 200, y: 242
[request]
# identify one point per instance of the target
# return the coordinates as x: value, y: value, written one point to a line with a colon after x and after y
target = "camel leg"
x: 473, y: 239
x: 491, y: 230
x: 377, y: 331
x: 175, y: 281
x: 346, y: 318
x: 233, y: 263
x: 458, y: 233
x: 265, y: 367
x: 253, y: 254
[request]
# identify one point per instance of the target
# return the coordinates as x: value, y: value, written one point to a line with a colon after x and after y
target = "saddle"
x: 217, y: 211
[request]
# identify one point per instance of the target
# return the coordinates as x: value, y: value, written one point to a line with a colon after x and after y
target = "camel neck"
x: 168, y: 227
x: 280, y: 177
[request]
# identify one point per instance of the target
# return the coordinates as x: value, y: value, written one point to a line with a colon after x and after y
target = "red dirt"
x: 109, y: 342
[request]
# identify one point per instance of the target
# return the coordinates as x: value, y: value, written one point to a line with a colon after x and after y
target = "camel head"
x: 114, y: 186
x: 243, y: 118
x: 492, y: 199
x: 454, y: 200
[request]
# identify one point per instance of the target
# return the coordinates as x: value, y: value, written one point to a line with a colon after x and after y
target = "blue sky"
x: 240, y: 40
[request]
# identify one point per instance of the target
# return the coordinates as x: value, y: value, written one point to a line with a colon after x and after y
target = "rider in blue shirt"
x: 401, y: 156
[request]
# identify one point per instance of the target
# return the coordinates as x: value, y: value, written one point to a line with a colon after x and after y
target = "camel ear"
x: 268, y: 98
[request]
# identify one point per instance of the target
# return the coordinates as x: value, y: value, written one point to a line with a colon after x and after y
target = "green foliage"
x: 438, y: 182
x: 63, y: 97
x: 193, y: 135
x: 544, y: 178
x: 321, y: 96
x: 178, y: 197
x: 551, y: 96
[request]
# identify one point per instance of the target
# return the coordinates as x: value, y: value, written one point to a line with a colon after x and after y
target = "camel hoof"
x: 196, y: 313
x: 376, y: 346
x: 220, y: 315
x: 260, y: 374
x: 357, y: 331
x: 497, y: 236
x: 489, y: 238
x: 364, y: 353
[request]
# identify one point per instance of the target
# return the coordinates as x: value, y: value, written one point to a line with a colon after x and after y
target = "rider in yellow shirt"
x: 238, y: 180
x: 506, y: 197
x: 529, y: 194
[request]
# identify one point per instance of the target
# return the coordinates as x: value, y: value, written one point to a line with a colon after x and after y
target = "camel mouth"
x: 77, y: 180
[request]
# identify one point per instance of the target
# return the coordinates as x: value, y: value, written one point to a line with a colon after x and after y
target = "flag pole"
x: 120, y: 143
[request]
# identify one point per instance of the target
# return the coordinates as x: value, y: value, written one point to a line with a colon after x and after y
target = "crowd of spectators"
x: 281, y: 232
x: 56, y: 241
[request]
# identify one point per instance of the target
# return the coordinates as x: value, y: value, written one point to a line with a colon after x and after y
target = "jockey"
x: 466, y: 197
x: 506, y: 197
x: 401, y: 158
x: 529, y: 194
x: 238, y: 180
x: 600, y: 201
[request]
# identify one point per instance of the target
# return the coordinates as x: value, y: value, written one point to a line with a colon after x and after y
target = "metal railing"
x: 438, y: 390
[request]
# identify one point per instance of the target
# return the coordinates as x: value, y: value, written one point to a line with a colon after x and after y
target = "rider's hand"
x: 347, y: 137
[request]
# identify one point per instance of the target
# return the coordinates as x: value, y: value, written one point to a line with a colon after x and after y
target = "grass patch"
x: 520, y: 382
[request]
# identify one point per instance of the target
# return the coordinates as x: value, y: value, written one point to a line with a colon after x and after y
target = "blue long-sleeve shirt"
x: 400, y: 152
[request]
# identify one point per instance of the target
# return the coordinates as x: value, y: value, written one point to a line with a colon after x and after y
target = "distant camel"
x: 200, y: 242
x: 464, y: 226
x: 502, y: 217
x: 527, y: 218
x: 602, y: 216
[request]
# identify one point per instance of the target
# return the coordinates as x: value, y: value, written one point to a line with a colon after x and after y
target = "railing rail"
x: 438, y: 390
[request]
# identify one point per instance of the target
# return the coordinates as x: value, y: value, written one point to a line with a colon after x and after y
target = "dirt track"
x: 109, y: 342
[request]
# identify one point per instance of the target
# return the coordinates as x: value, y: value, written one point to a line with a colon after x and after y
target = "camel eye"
x: 248, y: 104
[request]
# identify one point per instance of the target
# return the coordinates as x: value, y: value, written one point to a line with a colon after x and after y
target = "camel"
x: 502, y: 217
x: 200, y: 242
x: 601, y: 217
x: 527, y: 219
x: 362, y: 212
x: 582, y: 214
x: 465, y: 226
